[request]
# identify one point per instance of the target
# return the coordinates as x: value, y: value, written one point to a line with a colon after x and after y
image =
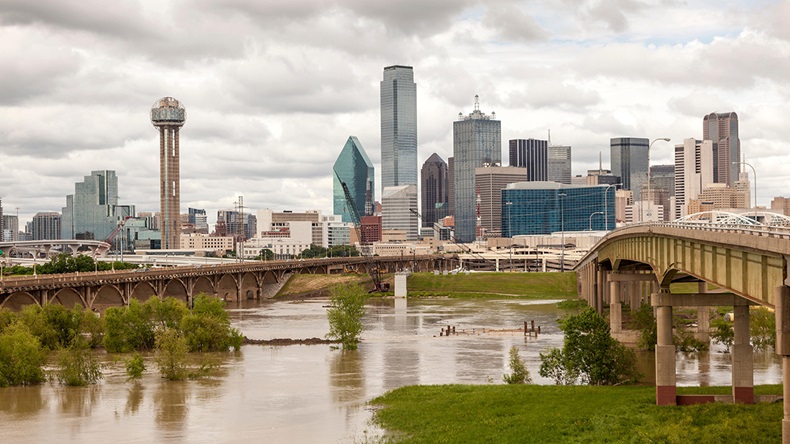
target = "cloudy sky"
x: 273, y: 88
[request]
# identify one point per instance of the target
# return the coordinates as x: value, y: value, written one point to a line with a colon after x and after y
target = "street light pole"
x: 562, y: 227
x: 649, y: 197
x: 591, y: 216
x: 755, y: 186
x: 606, y: 206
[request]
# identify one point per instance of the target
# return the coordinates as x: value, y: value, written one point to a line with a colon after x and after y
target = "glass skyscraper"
x: 434, y: 190
x: 531, y: 154
x: 92, y: 212
x: 398, y: 127
x: 477, y: 141
x: 629, y: 161
x: 548, y: 207
x: 355, y: 169
x: 722, y: 130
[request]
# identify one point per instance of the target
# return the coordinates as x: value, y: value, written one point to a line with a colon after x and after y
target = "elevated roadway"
x: 747, y: 265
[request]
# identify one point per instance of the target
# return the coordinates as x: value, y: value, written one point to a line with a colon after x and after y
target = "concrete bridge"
x: 231, y: 282
x: 747, y: 265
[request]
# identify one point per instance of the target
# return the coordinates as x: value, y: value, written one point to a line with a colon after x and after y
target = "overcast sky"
x: 274, y: 88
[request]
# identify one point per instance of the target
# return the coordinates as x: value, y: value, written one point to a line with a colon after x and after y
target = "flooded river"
x: 313, y: 394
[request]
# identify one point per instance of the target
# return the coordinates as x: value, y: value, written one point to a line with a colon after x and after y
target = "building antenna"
x: 550, y: 138
x: 477, y: 102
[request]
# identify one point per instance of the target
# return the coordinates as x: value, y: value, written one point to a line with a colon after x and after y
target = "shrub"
x: 208, y: 328
x: 762, y: 328
x: 554, y: 364
x: 590, y: 351
x: 519, y: 373
x: 723, y: 333
x: 128, y: 328
x: 21, y: 356
x: 77, y: 366
x: 346, y: 309
x: 135, y: 366
x: 645, y: 322
x: 171, y: 354
x: 166, y: 313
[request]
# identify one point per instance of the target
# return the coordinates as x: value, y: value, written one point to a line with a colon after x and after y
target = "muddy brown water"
x: 312, y: 393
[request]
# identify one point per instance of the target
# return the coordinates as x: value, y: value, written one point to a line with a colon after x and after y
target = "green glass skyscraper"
x: 355, y: 169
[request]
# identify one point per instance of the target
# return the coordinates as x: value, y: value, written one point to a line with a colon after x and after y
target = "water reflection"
x: 134, y: 397
x: 170, y: 406
x: 18, y: 402
x: 346, y: 376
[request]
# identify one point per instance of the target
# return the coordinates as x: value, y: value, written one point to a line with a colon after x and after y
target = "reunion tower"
x: 168, y: 116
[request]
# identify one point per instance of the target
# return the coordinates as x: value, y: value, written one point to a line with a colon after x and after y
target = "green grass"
x: 577, y: 414
x: 523, y: 285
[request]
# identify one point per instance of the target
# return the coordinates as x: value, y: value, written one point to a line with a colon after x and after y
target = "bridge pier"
x: 615, y: 307
x: 742, y: 358
x: 782, y: 306
x: 666, y: 390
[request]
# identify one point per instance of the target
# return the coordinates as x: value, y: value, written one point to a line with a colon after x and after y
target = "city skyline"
x: 268, y: 108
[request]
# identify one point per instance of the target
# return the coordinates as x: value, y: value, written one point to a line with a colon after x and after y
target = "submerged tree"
x: 21, y: 356
x: 347, y: 307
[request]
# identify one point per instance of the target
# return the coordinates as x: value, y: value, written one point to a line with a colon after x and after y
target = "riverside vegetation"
x: 167, y: 327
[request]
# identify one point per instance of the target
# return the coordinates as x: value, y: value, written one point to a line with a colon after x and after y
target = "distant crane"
x: 373, y: 270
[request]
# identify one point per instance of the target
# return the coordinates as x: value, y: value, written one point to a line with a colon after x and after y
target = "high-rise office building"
x: 355, y: 169
x: 198, y: 218
x: 477, y: 141
x: 168, y: 116
x: 45, y: 226
x: 531, y: 154
x: 450, y: 186
x: 92, y: 212
x: 434, y: 190
x: 693, y: 172
x: 396, y: 210
x: 10, y: 231
x: 398, y: 127
x: 490, y: 182
x: 722, y: 130
x: 548, y: 207
x: 559, y: 164
x: 662, y: 183
x: 2, y: 227
x: 629, y: 161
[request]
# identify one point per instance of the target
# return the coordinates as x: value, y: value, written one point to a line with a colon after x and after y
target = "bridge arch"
x: 226, y: 287
x: 68, y: 297
x: 175, y: 288
x: 203, y: 285
x: 248, y: 287
x: 107, y: 296
x: 17, y: 300
x: 143, y: 291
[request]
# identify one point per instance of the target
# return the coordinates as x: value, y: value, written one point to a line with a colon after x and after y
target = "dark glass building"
x: 434, y: 190
x: 548, y: 207
x: 629, y: 161
x: 531, y: 154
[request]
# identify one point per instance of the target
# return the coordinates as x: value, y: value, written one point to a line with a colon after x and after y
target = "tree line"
x: 38, y: 335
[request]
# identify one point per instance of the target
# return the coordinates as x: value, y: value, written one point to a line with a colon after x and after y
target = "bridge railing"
x: 778, y: 232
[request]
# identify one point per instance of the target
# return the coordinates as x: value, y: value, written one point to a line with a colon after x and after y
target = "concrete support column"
x: 703, y: 317
x: 666, y: 392
x: 782, y: 313
x: 615, y: 308
x: 742, y: 358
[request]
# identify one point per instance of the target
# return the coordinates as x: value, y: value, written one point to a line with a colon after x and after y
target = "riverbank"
x: 460, y: 285
x: 532, y: 413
